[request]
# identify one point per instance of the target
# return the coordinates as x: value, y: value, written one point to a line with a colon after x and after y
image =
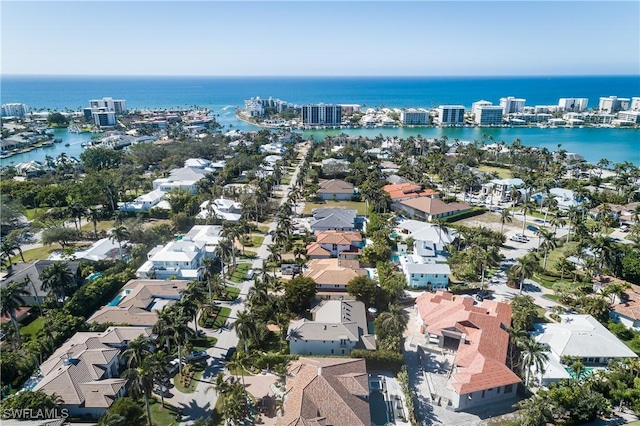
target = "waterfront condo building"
x: 613, y: 104
x: 14, y: 110
x: 487, y: 114
x: 450, y: 114
x: 511, y: 104
x: 635, y: 104
x: 119, y: 106
x: 103, y: 118
x: 414, y: 117
x: 573, y: 104
x: 321, y: 115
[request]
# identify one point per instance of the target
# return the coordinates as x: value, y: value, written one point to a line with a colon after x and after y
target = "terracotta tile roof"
x: 327, y: 391
x: 333, y: 271
x: 338, y: 237
x: 405, y: 190
x: 335, y: 186
x: 630, y: 308
x: 316, y: 250
x: 480, y: 360
x: 434, y: 206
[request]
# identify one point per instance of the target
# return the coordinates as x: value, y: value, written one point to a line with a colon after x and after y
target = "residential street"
x: 203, y: 400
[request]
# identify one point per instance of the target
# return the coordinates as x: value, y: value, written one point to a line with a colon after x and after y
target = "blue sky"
x: 321, y: 38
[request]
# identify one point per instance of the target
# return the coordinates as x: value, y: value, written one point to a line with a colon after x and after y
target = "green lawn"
x: 192, y: 386
x: 31, y: 214
x: 285, y: 181
x: 221, y: 318
x: 203, y: 343
x: 241, y: 272
x: 504, y: 173
x: 163, y: 416
x: 232, y: 293
x: 101, y: 225
x: 42, y: 253
x: 263, y: 228
x: 330, y: 204
x: 256, y: 240
x: 33, y: 327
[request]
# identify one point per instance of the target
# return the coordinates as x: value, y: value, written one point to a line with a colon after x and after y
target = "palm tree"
x: 245, y: 328
x: 11, y: 299
x: 525, y: 267
x: 395, y: 320
x: 137, y: 350
x: 119, y: 234
x: 505, y: 217
x: 94, y: 216
x: 527, y: 207
x: 547, y: 242
x: 564, y: 266
x: 223, y: 251
x: 194, y: 297
x: 533, y: 355
x: 141, y: 380
x: 615, y: 290
x: 7, y: 250
x: 220, y: 387
x: 57, y: 278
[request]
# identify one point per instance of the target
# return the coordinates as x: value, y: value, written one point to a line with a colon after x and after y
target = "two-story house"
x: 182, y: 259
x: 336, y: 189
x: 338, y: 326
x: 336, y: 220
x: 342, y: 244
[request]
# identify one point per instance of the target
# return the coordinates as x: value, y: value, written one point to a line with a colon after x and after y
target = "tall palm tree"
x: 11, y: 299
x: 527, y: 207
x: 224, y: 251
x: 57, y: 278
x: 141, y: 380
x: 220, y: 387
x: 7, y: 250
x: 94, y: 215
x: 533, y: 355
x: 525, y: 267
x: 547, y: 242
x: 195, y: 297
x: 119, y: 234
x: 137, y: 350
x: 505, y: 217
x: 245, y: 328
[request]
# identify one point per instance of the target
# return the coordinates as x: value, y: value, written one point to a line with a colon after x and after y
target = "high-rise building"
x: 510, y: 104
x: 573, y: 104
x: 321, y: 115
x: 14, y: 110
x: 119, y: 106
x: 414, y: 116
x: 613, y: 104
x: 104, y: 118
x: 487, y: 114
x: 450, y: 114
x: 635, y: 104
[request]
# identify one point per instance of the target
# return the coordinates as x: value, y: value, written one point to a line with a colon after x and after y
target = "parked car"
x: 229, y: 354
x: 196, y: 356
x: 624, y: 228
x: 173, y: 366
x: 532, y: 228
x: 161, y: 390
x: 250, y: 274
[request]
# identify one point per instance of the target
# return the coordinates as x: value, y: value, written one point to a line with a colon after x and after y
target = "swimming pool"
x: 116, y: 300
x: 378, y: 408
x: 395, y: 258
x: 374, y: 385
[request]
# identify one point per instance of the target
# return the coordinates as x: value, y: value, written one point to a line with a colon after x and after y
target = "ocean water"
x: 224, y: 94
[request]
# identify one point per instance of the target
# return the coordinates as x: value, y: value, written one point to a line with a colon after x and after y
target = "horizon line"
x: 2, y: 75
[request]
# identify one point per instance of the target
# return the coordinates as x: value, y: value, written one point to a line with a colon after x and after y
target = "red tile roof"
x: 405, y: 190
x: 434, y: 206
x: 480, y: 360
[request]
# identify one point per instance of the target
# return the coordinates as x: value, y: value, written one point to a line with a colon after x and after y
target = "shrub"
x: 270, y: 359
x: 380, y: 359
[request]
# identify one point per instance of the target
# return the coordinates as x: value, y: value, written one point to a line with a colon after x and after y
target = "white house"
x: 144, y: 202
x: 424, y: 272
x: 222, y: 208
x: 500, y: 189
x: 565, y: 198
x: 338, y: 327
x: 181, y: 259
x: 579, y: 336
x: 184, y: 178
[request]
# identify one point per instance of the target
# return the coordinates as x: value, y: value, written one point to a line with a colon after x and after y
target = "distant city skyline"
x: 344, y: 38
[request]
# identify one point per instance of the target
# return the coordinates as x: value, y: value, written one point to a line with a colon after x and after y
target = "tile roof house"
x: 478, y: 337
x: 627, y: 310
x: 338, y: 326
x: 346, y: 245
x: 404, y: 191
x: 333, y: 275
x: 85, y: 370
x: 336, y: 189
x: 429, y: 209
x: 33, y: 270
x: 139, y: 302
x: 326, y: 391
x: 577, y: 335
x: 336, y: 220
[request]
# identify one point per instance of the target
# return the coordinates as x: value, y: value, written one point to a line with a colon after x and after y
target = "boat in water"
x: 67, y: 144
x: 57, y: 140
